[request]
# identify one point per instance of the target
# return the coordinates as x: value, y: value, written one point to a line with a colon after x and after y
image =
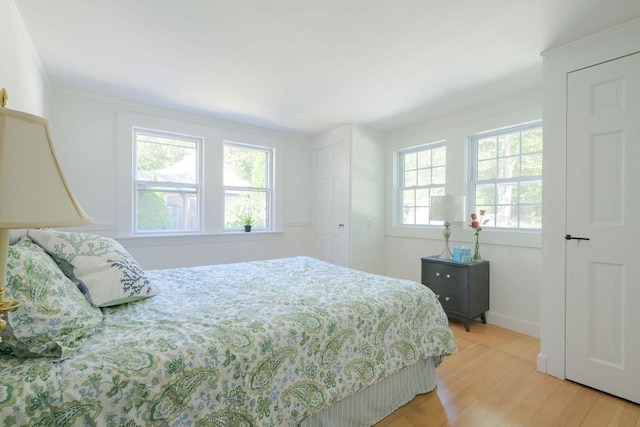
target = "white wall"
x: 20, y: 69
x: 515, y: 256
x: 85, y: 132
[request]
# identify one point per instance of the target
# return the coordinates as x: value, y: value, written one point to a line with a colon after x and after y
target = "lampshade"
x: 33, y: 190
x: 447, y: 208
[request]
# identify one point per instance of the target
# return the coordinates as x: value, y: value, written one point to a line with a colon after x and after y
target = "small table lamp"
x: 448, y: 209
x: 33, y: 191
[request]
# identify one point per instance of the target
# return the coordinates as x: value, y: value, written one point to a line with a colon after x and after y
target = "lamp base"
x: 446, y: 252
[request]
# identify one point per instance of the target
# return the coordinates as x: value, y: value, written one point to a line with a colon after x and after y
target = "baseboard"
x: 541, y: 363
x: 513, y: 324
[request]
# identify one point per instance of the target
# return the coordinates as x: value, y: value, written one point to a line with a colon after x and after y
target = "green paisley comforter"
x: 262, y: 343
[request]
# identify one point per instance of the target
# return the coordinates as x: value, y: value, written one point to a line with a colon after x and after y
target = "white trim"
x: 213, y: 196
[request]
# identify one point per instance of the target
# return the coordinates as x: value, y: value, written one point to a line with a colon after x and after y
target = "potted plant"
x: 247, y: 221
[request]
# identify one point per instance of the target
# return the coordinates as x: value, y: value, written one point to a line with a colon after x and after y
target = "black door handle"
x: 570, y: 237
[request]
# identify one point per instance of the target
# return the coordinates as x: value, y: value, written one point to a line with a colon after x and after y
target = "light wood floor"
x: 492, y: 381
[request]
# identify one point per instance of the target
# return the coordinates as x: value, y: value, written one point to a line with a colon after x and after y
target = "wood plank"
x: 493, y: 381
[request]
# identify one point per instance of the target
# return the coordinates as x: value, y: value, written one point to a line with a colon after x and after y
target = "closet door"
x: 332, y: 202
x: 603, y: 206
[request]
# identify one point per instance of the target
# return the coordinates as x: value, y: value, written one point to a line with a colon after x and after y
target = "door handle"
x: 570, y: 237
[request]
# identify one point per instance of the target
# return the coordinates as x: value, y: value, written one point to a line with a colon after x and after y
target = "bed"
x: 284, y: 342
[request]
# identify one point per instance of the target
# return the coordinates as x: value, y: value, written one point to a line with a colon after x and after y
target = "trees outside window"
x: 506, y: 176
x: 167, y: 182
x: 248, y: 186
x: 422, y: 173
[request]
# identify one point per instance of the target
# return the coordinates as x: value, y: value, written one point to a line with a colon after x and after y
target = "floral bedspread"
x: 263, y: 343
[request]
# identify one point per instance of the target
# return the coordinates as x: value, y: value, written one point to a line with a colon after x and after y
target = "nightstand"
x: 462, y: 289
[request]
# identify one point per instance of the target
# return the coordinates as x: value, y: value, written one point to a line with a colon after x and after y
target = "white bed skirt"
x: 374, y: 403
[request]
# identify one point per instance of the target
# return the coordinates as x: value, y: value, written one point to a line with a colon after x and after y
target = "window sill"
x: 518, y: 238
x: 197, y: 239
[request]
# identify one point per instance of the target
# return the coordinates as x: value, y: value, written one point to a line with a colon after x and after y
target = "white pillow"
x: 106, y: 273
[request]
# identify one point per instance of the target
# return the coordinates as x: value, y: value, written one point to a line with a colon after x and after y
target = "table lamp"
x: 448, y: 209
x: 33, y: 190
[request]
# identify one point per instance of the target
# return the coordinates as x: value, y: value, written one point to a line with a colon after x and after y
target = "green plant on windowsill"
x: 247, y: 220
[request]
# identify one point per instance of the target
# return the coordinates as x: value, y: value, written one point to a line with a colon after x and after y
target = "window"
x: 422, y: 174
x: 167, y: 182
x: 506, y: 176
x: 247, y: 186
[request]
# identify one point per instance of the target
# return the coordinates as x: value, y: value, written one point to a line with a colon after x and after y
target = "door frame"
x: 557, y: 64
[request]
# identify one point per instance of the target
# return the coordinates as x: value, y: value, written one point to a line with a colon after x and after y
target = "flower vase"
x: 476, y: 250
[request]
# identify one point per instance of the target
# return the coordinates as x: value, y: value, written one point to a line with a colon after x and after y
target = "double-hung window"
x: 422, y: 173
x: 248, y: 186
x: 167, y: 182
x: 506, y: 176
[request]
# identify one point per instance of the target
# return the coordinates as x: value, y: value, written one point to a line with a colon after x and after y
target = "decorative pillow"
x: 55, y: 317
x: 105, y: 272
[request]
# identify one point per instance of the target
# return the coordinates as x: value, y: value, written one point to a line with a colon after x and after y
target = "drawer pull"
x: 448, y: 276
x: 438, y: 296
x: 437, y: 274
x: 447, y: 298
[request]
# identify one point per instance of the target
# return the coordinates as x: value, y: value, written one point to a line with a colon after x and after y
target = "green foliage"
x: 153, y: 213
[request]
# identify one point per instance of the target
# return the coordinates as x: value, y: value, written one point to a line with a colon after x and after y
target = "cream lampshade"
x: 448, y: 209
x: 33, y: 190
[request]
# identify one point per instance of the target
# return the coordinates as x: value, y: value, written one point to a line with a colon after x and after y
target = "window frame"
x: 197, y: 187
x: 268, y: 190
x: 474, y: 182
x: 401, y: 188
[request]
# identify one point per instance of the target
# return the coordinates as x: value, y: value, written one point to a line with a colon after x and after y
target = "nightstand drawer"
x: 451, y: 298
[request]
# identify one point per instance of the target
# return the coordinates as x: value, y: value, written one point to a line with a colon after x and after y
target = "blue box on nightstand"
x: 462, y: 255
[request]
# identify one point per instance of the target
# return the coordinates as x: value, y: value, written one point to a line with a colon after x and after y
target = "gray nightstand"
x: 463, y: 289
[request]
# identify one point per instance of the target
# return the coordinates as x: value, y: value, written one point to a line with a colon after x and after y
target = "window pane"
x: 410, y: 161
x: 422, y: 216
x: 408, y: 198
x: 507, y: 175
x: 409, y: 216
x: 532, y: 165
x: 485, y: 195
x: 487, y: 148
x: 245, y: 167
x: 424, y: 159
x: 410, y: 179
x: 439, y: 156
x: 509, y: 144
x: 165, y: 159
x: 507, y: 216
x: 422, y: 173
x: 509, y: 167
x: 507, y: 193
x: 422, y: 197
x: 159, y: 210
x: 238, y: 203
x: 424, y: 177
x: 439, y: 175
x: 530, y: 216
x: 532, y: 141
x: 531, y: 193
x: 487, y: 169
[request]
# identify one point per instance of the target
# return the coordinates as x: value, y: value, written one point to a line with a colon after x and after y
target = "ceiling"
x: 308, y: 65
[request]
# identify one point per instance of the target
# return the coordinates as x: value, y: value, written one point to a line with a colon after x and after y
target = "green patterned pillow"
x: 55, y: 317
x: 106, y: 273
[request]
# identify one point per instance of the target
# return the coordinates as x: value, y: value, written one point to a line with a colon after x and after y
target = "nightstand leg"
x: 466, y: 324
x: 483, y: 318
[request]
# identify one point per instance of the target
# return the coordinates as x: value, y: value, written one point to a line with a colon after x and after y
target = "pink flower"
x: 475, y: 224
x: 474, y: 216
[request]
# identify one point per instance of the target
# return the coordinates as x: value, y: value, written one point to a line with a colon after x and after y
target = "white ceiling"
x: 308, y: 65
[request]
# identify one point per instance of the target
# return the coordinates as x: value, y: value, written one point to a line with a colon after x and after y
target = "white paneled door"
x: 603, y: 206
x: 332, y: 202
